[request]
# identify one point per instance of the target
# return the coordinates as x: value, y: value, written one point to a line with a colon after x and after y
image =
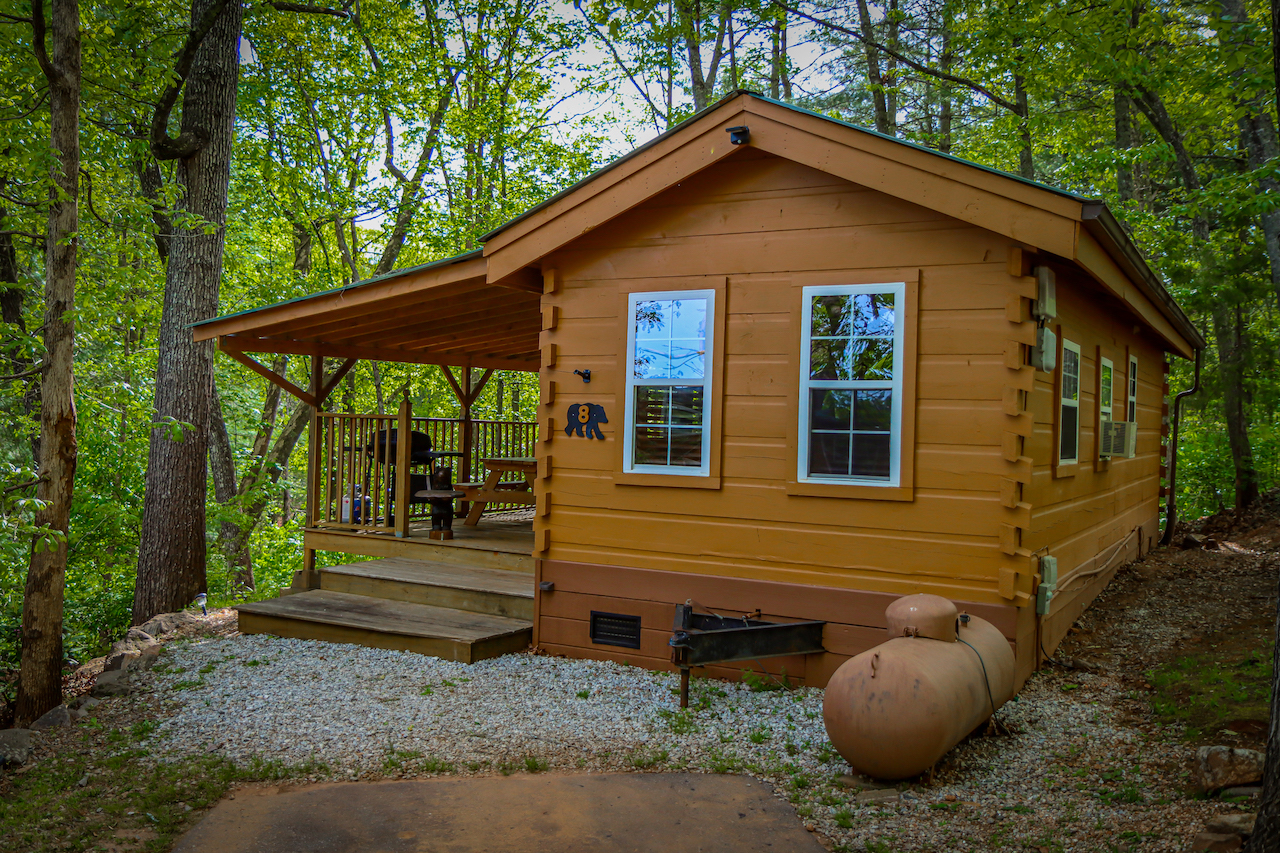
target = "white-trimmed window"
x: 1069, y: 405
x: 851, y: 384
x: 1131, y: 409
x: 668, y: 404
x: 1106, y: 388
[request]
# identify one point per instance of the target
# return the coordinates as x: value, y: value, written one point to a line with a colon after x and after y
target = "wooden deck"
x: 496, y: 592
x: 498, y: 542
x: 464, y: 599
x: 340, y: 617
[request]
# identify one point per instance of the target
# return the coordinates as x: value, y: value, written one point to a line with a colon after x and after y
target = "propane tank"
x: 895, y: 709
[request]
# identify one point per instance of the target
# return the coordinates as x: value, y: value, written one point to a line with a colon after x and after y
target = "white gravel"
x: 1075, y: 775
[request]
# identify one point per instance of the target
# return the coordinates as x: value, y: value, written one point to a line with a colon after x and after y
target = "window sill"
x: 1067, y: 470
x: 852, y: 491
x: 678, y: 481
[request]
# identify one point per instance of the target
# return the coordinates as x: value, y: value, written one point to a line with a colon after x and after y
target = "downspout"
x: 1171, y: 502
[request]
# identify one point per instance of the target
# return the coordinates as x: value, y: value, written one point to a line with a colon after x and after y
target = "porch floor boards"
x: 340, y: 617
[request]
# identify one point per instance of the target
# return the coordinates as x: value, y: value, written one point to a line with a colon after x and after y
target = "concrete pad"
x: 684, y: 812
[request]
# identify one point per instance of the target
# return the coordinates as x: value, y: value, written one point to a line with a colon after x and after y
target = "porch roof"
x: 444, y: 312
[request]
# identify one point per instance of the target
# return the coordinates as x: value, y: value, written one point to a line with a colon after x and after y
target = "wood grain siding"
x: 855, y: 619
x: 768, y: 226
x: 1089, y: 515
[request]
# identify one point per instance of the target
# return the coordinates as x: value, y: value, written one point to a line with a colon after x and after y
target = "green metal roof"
x: 474, y: 253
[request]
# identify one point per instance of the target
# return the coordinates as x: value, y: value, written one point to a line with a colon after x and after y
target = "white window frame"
x: 1065, y: 402
x: 629, y: 424
x: 1106, y: 405
x: 899, y: 291
x: 1131, y: 390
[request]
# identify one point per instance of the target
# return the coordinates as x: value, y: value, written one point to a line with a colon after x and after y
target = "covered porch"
x: 460, y: 588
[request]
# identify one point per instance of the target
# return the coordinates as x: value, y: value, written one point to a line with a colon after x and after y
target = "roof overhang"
x: 445, y: 313
x: 1039, y: 216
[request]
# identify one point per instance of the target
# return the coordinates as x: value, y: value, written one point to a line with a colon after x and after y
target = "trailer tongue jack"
x: 702, y: 639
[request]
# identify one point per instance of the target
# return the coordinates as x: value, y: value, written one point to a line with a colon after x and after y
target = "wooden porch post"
x: 404, y: 446
x: 464, y: 402
x: 310, y: 578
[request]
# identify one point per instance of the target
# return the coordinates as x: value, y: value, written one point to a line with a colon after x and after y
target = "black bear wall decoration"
x: 588, y: 417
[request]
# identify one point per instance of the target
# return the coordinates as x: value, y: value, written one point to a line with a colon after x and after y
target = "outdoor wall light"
x: 739, y: 135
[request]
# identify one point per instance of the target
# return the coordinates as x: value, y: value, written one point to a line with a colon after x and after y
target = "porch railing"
x: 363, y: 482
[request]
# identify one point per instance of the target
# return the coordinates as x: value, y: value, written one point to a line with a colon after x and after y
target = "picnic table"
x: 492, y: 490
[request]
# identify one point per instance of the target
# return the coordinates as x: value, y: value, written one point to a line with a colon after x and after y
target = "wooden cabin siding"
x: 760, y: 227
x: 1082, y: 513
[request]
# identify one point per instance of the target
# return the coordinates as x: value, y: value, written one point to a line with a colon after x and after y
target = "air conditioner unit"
x: 1118, y: 438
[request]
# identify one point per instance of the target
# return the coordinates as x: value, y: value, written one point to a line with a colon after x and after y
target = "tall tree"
x: 171, y: 553
x: 40, y: 678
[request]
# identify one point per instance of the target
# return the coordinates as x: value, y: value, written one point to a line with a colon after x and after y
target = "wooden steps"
x: 451, y: 611
x: 497, y: 592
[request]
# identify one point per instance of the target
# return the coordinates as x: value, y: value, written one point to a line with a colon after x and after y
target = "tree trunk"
x: 40, y: 676
x: 171, y: 553
x: 1124, y: 141
x: 873, y: 70
x: 1266, y: 831
x: 1228, y: 329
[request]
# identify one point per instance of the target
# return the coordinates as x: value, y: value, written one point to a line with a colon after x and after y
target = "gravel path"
x: 1075, y: 776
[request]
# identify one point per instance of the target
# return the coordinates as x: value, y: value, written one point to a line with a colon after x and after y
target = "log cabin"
x: 788, y: 367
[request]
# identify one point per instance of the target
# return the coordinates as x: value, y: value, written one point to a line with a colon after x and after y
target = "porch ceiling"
x: 441, y: 313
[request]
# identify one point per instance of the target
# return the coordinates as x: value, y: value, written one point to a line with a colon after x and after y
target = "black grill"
x: 615, y: 629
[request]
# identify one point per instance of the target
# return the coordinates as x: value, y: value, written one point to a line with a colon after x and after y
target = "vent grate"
x: 615, y: 629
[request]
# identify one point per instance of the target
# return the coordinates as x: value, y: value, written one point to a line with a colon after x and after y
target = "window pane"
x: 688, y: 318
x: 686, y: 447
x: 653, y: 359
x: 653, y: 405
x: 649, y: 446
x: 872, y: 410
x: 830, y: 410
x: 829, y: 453
x: 687, y: 359
x: 1106, y: 385
x: 653, y: 320
x: 871, y: 456
x: 1070, y: 374
x: 845, y: 359
x: 686, y: 405
x: 848, y: 315
x: 1070, y: 427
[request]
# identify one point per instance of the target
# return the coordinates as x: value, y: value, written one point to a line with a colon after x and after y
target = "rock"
x: 167, y: 623
x: 121, y: 660
x: 1192, y: 540
x: 53, y: 718
x: 1243, y: 791
x: 82, y: 706
x: 1224, y: 767
x: 134, y: 641
x: 1215, y: 842
x: 1228, y: 824
x: 1211, y: 544
x: 84, y: 780
x: 15, y: 746
x: 110, y: 683
x: 148, y: 657
x: 878, y: 797
x: 852, y: 780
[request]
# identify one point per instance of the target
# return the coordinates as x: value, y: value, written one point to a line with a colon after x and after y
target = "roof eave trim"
x: 1099, y: 219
